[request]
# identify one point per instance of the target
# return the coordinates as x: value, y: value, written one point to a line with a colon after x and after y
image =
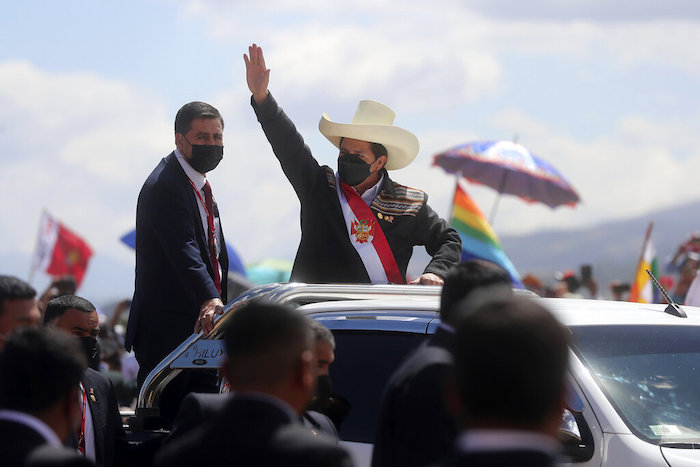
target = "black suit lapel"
x: 173, y: 165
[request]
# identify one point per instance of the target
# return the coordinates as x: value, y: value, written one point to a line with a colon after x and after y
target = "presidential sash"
x: 368, y: 238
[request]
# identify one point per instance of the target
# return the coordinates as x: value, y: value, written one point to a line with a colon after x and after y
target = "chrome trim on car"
x: 295, y: 293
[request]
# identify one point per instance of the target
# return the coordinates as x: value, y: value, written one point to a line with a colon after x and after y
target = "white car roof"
x: 581, y: 312
x: 570, y: 312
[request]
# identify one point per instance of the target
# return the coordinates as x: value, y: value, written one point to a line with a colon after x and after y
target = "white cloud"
x: 79, y: 146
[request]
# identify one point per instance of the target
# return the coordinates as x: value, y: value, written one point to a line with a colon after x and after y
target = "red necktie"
x: 209, y: 204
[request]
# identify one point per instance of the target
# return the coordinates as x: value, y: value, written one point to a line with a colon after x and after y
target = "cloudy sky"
x: 605, y: 91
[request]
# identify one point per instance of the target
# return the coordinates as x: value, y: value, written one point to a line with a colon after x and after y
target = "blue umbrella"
x: 508, y: 168
x: 234, y: 261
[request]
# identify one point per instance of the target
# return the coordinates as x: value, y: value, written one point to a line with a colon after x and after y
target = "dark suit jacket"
x: 196, y: 408
x: 414, y: 427
x: 516, y: 458
x: 21, y: 446
x: 174, y: 274
x: 110, y: 439
x: 325, y: 252
x: 251, y: 432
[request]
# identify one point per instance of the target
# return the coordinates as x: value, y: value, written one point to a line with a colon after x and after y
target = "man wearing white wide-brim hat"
x: 357, y: 225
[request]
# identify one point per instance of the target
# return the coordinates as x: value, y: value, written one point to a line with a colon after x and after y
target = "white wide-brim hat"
x: 374, y: 122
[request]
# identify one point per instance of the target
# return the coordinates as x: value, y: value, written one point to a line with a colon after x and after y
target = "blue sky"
x: 605, y: 91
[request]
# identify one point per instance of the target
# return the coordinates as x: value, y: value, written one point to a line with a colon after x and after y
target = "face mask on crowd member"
x: 203, y: 144
x: 76, y: 316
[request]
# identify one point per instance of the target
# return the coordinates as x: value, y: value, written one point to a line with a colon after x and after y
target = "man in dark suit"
x: 181, y: 260
x: 269, y: 368
x: 415, y: 426
x: 197, y: 408
x: 511, y: 358
x: 101, y: 435
x: 39, y: 374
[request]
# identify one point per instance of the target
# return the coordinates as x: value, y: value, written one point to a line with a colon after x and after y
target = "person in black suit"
x: 196, y: 407
x: 103, y: 437
x: 39, y: 374
x: 181, y: 260
x: 269, y: 362
x: 414, y: 425
x: 511, y: 358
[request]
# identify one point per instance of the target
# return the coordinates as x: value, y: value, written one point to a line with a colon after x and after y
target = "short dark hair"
x: 511, y: 357
x: 12, y: 288
x: 59, y: 305
x: 465, y: 278
x: 321, y: 333
x: 264, y: 342
x: 191, y: 111
x: 37, y: 368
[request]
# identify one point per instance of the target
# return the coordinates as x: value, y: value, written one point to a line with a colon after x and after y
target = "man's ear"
x: 305, y: 375
x: 179, y: 141
x: 381, y: 162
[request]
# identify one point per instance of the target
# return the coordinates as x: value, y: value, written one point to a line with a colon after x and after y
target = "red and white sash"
x: 368, y: 238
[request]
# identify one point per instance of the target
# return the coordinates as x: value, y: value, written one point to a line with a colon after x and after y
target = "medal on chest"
x: 362, y: 230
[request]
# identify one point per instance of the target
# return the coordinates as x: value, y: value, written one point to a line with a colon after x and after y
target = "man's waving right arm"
x: 295, y: 157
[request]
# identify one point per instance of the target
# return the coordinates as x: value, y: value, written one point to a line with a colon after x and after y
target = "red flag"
x: 60, y: 251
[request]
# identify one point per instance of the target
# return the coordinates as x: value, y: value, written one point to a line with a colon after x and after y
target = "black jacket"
x: 110, y: 439
x: 415, y: 427
x: 174, y: 274
x: 325, y: 253
x: 249, y: 431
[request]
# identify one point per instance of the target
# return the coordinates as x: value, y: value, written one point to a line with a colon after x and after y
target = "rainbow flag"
x: 479, y: 241
x: 643, y: 290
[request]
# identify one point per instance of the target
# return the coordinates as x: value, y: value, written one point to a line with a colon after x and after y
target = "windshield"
x: 650, y: 374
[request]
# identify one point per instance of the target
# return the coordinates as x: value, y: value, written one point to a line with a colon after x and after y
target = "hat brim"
x: 401, y: 145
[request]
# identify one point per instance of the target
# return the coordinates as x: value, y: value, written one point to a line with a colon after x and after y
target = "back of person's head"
x: 265, y: 343
x: 191, y: 111
x: 59, y: 305
x: 38, y: 367
x: 464, y: 279
x: 511, y: 358
x: 12, y: 288
x: 321, y: 333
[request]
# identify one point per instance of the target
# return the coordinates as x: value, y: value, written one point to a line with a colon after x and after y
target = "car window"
x: 650, y: 374
x: 364, y: 361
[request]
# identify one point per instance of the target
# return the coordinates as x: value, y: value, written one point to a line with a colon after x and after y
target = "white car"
x: 634, y: 374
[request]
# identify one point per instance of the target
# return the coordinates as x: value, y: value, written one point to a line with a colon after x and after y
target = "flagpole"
x: 646, y: 241
x: 32, y: 267
x: 451, y: 212
x: 636, y: 291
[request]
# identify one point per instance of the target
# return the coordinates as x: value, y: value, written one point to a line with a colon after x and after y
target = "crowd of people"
x: 677, y: 274
x: 443, y: 406
x: 64, y: 372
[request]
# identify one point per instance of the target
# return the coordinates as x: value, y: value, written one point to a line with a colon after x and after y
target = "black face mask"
x: 89, y: 346
x: 205, y: 157
x: 353, y: 170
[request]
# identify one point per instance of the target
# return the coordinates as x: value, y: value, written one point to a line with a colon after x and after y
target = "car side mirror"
x: 569, y: 431
x: 575, y: 436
